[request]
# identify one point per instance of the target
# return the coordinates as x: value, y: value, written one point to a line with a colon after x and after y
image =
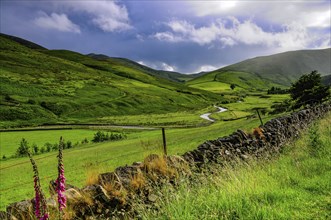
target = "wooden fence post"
x: 258, y: 113
x: 164, y: 142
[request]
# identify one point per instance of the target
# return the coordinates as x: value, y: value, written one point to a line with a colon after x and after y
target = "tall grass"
x: 295, y: 185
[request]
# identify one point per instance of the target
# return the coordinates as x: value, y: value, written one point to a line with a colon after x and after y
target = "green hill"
x: 51, y: 86
x: 23, y: 42
x: 263, y: 72
x: 173, y: 76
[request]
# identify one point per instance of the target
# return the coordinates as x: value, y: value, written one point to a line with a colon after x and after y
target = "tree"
x: 308, y: 90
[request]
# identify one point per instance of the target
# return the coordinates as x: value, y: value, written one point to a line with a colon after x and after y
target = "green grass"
x: 176, y: 119
x: 220, y: 81
x: 296, y: 185
x: 53, y: 86
x: 218, y: 87
x: 10, y: 141
x: 245, y: 106
x: 105, y: 156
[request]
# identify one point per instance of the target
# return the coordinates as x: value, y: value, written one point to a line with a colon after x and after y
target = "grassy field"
x: 218, y: 87
x: 223, y: 79
x: 102, y: 157
x: 296, y: 185
x: 11, y: 140
x: 245, y: 106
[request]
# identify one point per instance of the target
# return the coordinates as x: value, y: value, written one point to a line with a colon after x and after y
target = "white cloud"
x: 230, y: 32
x: 141, y: 63
x: 314, y: 14
x: 207, y: 68
x: 109, y: 16
x: 158, y: 65
x: 212, y: 7
x: 167, y: 67
x: 167, y: 36
x: 58, y: 22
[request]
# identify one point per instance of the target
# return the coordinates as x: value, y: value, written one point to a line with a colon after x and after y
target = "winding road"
x: 206, y: 115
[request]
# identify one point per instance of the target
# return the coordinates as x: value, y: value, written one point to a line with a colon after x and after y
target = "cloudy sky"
x: 184, y: 36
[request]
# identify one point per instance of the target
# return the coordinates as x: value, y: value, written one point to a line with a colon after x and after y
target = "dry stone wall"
x: 268, y: 138
x: 115, y: 194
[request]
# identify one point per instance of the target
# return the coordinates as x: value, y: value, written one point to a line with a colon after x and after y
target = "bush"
x: 101, y: 136
x: 85, y: 141
x: 48, y: 148
x: 42, y: 149
x: 35, y: 149
x: 23, y: 149
x: 276, y: 90
x: 67, y: 145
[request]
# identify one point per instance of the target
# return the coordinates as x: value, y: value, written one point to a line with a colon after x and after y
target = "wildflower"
x: 40, y: 201
x: 60, y: 188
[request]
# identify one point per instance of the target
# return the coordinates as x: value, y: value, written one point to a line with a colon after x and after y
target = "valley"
x: 48, y: 94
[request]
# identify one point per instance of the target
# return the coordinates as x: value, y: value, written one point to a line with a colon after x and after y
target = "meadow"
x: 294, y: 185
x: 89, y: 159
x: 86, y: 160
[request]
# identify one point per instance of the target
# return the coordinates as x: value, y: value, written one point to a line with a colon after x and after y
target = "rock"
x: 53, y: 185
x: 73, y: 195
x: 137, y: 164
x: 3, y: 215
x: 20, y: 210
x: 121, y: 177
x: 97, y: 192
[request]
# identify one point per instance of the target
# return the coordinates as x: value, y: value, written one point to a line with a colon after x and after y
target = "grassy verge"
x: 296, y: 185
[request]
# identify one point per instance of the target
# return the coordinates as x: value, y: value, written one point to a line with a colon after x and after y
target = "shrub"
x: 42, y: 149
x: 23, y: 149
x: 85, y: 141
x: 48, y: 148
x: 101, y: 136
x: 35, y: 149
x: 68, y: 145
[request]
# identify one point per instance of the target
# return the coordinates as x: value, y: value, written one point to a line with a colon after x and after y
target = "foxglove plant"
x: 40, y: 201
x: 60, y: 182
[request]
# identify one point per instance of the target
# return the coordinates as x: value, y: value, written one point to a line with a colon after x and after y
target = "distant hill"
x: 173, y: 76
x: 275, y: 70
x: 40, y: 86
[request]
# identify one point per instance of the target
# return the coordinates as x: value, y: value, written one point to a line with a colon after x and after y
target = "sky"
x: 174, y: 35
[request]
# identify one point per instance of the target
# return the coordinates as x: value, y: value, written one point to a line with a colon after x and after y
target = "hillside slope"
x: 275, y: 70
x: 173, y: 76
x: 45, y: 86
